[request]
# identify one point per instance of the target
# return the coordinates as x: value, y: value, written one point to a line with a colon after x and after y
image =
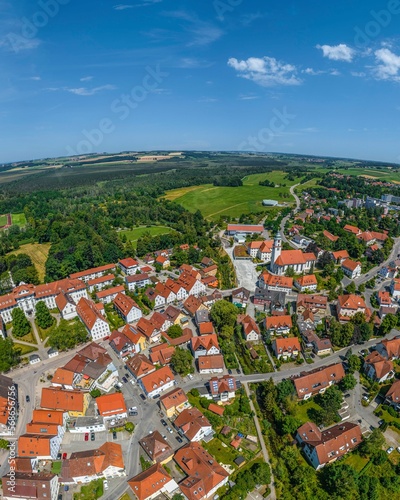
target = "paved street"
x: 285, y: 219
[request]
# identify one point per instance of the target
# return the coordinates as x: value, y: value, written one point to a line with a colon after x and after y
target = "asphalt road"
x: 285, y: 219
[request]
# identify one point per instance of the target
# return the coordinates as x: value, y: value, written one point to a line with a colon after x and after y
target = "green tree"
x: 261, y: 473
x: 388, y: 323
x: 348, y: 382
x: 9, y: 356
x: 340, y: 481
x: 227, y: 332
x: 130, y: 427
x: 43, y: 317
x: 373, y: 444
x: 224, y: 313
x: 175, y: 331
x: 351, y: 287
x: 95, y: 393
x: 4, y: 444
x: 67, y: 335
x: 182, y: 361
x: 20, y: 325
x: 354, y: 363
x: 290, y: 424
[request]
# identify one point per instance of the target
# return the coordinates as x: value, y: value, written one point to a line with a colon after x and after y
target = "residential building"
x: 92, y: 318
x: 140, y: 365
x: 112, y: 407
x: 307, y: 282
x: 206, y: 345
x: 270, y: 300
x: 389, y: 349
x: 241, y: 297
x: 349, y: 305
x: 41, y: 446
x: 286, y: 347
x: 164, y: 262
x: 378, y: 368
x: 193, y: 424
x: 278, y: 325
x: 223, y: 388
x: 352, y: 229
x: 332, y: 238
x: 157, y: 382
x: 127, y: 342
x: 25, y: 485
x: 84, y: 466
x: 134, y: 281
x: 161, y: 354
x: 351, y: 268
x: 127, y: 308
x: 251, y: 331
x: 275, y: 283
x: 317, y: 304
x: 210, y: 364
x: 316, y: 381
x: 395, y: 288
x: 323, y: 447
x: 384, y: 298
x: 90, y: 274
x: 128, y: 266
x: 157, y: 448
x: 107, y: 296
x: 74, y: 402
x: 100, y: 283
x: 174, y: 402
x: 153, y: 482
x: 193, y: 304
x: 393, y: 395
x: 339, y: 256
x: 204, y: 474
x: 63, y: 378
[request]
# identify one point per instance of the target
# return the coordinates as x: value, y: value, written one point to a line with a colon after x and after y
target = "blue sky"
x: 289, y: 76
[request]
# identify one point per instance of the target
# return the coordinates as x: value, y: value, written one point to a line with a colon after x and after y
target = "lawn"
x: 25, y: 349
x: 90, y: 491
x: 27, y: 338
x: 38, y: 252
x: 18, y: 219
x: 125, y: 496
x: 223, y: 455
x: 3, y: 220
x: 302, y: 409
x: 134, y: 234
x: 356, y: 461
x: 56, y: 467
x: 214, y: 201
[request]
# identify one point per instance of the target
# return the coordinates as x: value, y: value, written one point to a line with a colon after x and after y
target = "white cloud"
x: 341, y: 52
x: 202, y: 32
x: 15, y: 42
x: 248, y: 97
x: 35, y: 78
x: 266, y: 71
x: 122, y: 7
x: 86, y: 78
x: 358, y: 74
x: 388, y: 65
x: 207, y: 99
x: 84, y: 91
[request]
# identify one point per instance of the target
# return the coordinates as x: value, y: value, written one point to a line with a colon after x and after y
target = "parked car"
x: 238, y: 371
x: 27, y: 398
x: 398, y: 449
x: 127, y: 375
x: 230, y: 371
x: 170, y: 430
x: 58, y: 456
x: 92, y: 436
x: 105, y: 484
x: 164, y: 422
x: 125, y: 380
x: 381, y: 422
x: 389, y: 450
x: 347, y: 395
x: 190, y: 376
x: 86, y: 436
x: 133, y: 413
x: 133, y: 408
x: 114, y: 435
x: 156, y: 396
x: 142, y: 396
x: 66, y: 487
x: 179, y: 439
x: 64, y: 456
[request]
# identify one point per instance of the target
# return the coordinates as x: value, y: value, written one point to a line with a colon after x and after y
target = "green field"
x: 134, y: 234
x: 3, y: 220
x: 18, y: 219
x: 214, y: 201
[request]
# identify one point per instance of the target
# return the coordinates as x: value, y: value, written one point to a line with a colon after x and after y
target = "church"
x: 282, y: 260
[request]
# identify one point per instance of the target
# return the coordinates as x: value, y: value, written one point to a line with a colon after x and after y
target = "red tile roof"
x: 87, y: 272
x: 149, y: 482
x: 129, y: 262
x: 157, y: 379
x: 88, y: 312
x: 111, y: 404
x: 125, y: 304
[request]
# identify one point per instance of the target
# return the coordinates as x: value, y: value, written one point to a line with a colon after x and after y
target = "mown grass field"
x: 214, y: 201
x: 38, y: 252
x: 18, y: 219
x: 3, y: 220
x: 134, y: 234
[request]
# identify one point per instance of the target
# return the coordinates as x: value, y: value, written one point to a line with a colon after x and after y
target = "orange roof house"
x: 34, y: 445
x: 307, y: 282
x: 63, y: 378
x: 286, y: 347
x: 174, y: 401
x: 55, y: 398
x: 278, y: 324
x: 330, y: 236
x: 158, y: 381
x: 340, y: 255
x: 348, y: 305
x: 111, y: 405
x: 193, y: 424
x: 161, y: 354
x: 211, y: 364
x: 151, y: 482
x: 93, y: 272
x: 140, y: 365
x: 352, y: 229
x: 317, y: 381
x: 273, y: 282
x: 204, y: 474
x: 156, y: 448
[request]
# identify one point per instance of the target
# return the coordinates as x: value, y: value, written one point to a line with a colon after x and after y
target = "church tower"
x: 276, y: 250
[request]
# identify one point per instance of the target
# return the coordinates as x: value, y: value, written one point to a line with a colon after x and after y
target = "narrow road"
x: 285, y: 219
x: 262, y: 442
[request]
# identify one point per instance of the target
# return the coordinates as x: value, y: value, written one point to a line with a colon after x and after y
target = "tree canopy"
x: 20, y: 325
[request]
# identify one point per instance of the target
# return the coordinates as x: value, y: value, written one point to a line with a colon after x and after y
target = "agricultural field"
x: 214, y: 201
x: 134, y: 234
x: 38, y: 253
x: 3, y: 220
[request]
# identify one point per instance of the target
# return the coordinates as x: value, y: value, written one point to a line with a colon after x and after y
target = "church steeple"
x: 276, y: 249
